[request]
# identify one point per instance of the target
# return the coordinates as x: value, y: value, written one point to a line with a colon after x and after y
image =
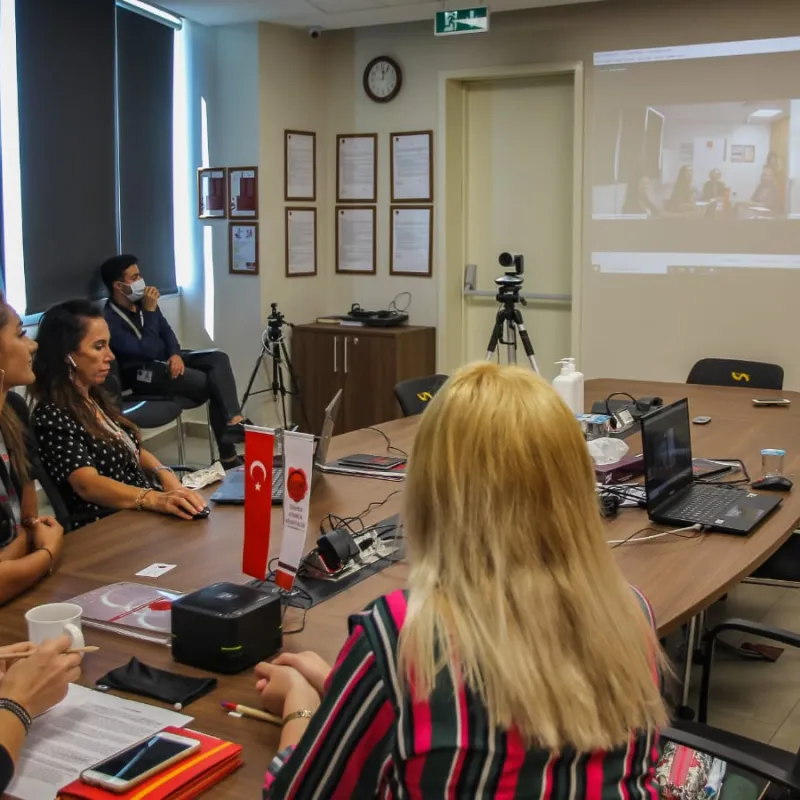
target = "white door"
x: 519, y: 198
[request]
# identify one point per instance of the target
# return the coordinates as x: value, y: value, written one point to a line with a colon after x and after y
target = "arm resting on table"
x: 105, y: 492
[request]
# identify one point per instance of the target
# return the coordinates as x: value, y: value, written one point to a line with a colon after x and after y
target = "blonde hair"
x: 512, y: 584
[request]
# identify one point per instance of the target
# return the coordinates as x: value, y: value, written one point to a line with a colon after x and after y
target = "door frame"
x: 451, y: 169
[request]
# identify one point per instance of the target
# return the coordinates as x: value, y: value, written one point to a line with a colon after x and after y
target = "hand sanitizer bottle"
x: 569, y: 384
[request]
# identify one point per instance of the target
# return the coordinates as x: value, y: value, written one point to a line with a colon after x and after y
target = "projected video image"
x: 698, y: 161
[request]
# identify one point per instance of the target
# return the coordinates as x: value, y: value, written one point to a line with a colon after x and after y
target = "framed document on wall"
x: 212, y: 193
x: 243, y: 192
x: 411, y: 241
x: 357, y: 168
x: 301, y: 242
x: 243, y: 248
x: 300, y: 166
x: 355, y: 240
x: 411, y: 164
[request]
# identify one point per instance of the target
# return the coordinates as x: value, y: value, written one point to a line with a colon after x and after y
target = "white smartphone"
x: 130, y: 767
x: 772, y: 402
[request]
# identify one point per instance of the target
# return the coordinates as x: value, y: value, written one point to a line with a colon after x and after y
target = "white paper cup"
x: 53, y: 620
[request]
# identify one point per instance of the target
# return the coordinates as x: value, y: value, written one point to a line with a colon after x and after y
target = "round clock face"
x: 382, y: 79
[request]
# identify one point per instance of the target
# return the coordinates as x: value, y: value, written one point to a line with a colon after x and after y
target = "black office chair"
x: 413, y: 395
x: 147, y: 411
x: 769, y: 763
x: 733, y: 372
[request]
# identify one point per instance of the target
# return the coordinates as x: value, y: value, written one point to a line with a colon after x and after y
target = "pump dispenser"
x: 569, y: 384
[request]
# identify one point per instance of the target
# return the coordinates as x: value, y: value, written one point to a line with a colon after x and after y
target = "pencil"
x: 255, y: 713
x: 27, y: 653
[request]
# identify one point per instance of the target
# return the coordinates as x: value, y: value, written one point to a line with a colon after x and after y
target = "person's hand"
x: 182, y: 503
x: 20, y: 647
x: 176, y: 366
x: 47, y: 532
x: 150, y: 299
x: 284, y: 689
x: 40, y: 681
x: 311, y: 666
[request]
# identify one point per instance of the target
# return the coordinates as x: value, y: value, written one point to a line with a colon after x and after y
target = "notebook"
x: 184, y: 780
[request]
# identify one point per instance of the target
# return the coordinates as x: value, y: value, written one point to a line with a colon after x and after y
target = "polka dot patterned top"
x: 65, y: 446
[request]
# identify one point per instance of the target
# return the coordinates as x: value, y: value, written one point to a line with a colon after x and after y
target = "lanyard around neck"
x: 128, y: 320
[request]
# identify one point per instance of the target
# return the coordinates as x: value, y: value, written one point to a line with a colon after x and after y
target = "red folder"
x: 188, y: 778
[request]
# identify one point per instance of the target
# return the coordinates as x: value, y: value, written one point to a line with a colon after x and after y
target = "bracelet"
x: 139, y: 504
x: 18, y: 711
x: 163, y: 467
x: 52, y: 560
x: 304, y: 713
x: 29, y: 522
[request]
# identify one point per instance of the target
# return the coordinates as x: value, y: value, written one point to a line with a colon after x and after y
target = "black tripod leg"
x: 497, y: 334
x: 247, y: 391
x: 277, y: 387
x: 526, y: 340
x: 296, y: 387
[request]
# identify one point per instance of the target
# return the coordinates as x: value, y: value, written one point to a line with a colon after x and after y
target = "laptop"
x: 232, y: 490
x: 673, y: 496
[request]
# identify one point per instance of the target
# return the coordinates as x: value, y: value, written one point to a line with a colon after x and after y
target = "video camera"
x: 275, y: 323
x: 510, y: 282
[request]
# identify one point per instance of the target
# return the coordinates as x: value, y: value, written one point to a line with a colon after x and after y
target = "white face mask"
x: 136, y: 290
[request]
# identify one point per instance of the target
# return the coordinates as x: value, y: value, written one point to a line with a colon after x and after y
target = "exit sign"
x: 465, y: 20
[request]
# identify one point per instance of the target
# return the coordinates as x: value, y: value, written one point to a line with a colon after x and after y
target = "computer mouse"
x: 202, y: 514
x: 775, y: 483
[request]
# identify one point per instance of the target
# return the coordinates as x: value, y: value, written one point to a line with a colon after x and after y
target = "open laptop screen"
x: 667, y: 450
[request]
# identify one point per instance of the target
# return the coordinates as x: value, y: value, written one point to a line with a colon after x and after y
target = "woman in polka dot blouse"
x: 86, y: 445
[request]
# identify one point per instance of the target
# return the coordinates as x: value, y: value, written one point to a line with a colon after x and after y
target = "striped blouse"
x: 369, y: 739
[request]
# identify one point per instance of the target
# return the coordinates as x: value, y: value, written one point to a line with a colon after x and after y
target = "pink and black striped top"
x: 371, y: 739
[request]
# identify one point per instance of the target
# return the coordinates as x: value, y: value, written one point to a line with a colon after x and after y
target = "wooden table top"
x: 680, y: 576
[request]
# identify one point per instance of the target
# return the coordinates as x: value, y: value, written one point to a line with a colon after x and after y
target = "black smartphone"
x: 364, y: 461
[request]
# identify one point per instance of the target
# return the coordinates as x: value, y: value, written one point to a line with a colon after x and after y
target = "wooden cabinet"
x: 365, y: 362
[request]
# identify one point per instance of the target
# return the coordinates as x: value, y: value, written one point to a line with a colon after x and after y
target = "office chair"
x: 769, y: 763
x: 413, y: 395
x: 733, y: 372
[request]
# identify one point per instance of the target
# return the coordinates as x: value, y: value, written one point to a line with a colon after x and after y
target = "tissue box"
x: 226, y: 627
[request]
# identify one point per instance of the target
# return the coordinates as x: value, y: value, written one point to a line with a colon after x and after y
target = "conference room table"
x: 680, y: 576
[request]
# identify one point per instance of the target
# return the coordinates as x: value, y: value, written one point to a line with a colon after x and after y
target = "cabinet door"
x: 317, y: 361
x: 369, y: 371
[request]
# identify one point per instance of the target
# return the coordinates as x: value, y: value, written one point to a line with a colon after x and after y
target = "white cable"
x: 656, y: 535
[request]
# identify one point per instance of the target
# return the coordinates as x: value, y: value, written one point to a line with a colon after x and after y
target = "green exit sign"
x: 465, y: 20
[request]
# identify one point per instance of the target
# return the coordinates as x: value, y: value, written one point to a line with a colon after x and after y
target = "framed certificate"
x: 301, y: 242
x: 411, y: 165
x: 243, y: 192
x: 357, y: 168
x: 243, y: 248
x: 355, y: 240
x: 300, y: 166
x: 212, y: 189
x: 411, y: 241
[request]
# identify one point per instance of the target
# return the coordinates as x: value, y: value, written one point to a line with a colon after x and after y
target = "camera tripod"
x: 274, y: 345
x: 509, y: 321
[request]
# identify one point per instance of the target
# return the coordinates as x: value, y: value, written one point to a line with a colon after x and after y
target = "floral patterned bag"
x: 681, y: 773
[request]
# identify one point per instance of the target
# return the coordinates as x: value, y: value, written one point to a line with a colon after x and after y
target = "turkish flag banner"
x: 259, y: 447
x: 298, y: 461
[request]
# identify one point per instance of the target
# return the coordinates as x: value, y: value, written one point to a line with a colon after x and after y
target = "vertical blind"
x: 68, y: 57
x: 65, y: 70
x: 144, y: 102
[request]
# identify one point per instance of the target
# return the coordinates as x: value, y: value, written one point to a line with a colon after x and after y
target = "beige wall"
x: 317, y: 85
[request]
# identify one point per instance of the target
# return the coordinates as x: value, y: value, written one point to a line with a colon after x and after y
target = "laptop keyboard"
x: 703, y: 504
x: 277, y: 482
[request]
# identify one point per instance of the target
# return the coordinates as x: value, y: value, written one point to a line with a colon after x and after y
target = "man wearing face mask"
x: 151, y: 359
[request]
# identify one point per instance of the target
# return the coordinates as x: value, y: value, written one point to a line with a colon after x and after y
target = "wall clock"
x: 383, y: 79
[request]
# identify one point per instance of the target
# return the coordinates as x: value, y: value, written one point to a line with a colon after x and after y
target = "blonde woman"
x: 519, y: 663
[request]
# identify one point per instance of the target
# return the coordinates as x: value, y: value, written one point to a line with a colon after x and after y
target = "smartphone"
x: 130, y: 767
x: 770, y: 401
x: 362, y: 461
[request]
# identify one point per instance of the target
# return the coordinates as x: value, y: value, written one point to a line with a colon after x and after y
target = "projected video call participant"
x: 637, y: 198
x: 768, y: 192
x: 715, y: 188
x: 684, y: 196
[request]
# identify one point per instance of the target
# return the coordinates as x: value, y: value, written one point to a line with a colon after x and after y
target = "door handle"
x: 335, y: 350
x: 345, y: 354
